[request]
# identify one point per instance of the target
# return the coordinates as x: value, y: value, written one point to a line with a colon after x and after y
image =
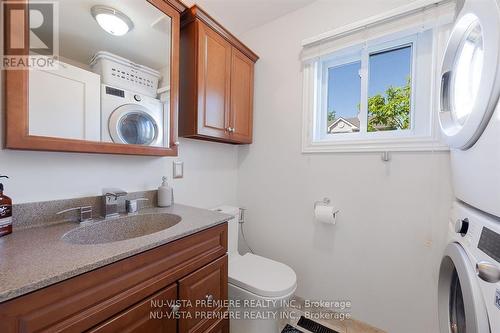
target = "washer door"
x: 133, y: 124
x: 460, y: 302
x: 470, y: 82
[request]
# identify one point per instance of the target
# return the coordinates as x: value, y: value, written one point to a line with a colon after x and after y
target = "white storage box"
x: 123, y: 73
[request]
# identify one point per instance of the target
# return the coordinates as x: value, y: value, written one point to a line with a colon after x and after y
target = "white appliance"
x: 469, y: 115
x: 132, y: 118
x: 469, y: 109
x: 469, y: 277
x: 254, y: 280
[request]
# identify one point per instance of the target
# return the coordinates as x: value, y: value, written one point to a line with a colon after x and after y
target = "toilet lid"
x: 262, y: 276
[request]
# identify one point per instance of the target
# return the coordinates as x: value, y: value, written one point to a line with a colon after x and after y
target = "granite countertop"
x: 37, y: 257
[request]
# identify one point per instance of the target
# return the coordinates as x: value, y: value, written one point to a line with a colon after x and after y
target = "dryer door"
x: 133, y: 124
x: 460, y: 302
x: 470, y: 74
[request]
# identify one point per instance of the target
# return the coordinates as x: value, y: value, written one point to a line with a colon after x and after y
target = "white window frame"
x: 342, y: 58
x: 424, y: 134
x: 361, y: 54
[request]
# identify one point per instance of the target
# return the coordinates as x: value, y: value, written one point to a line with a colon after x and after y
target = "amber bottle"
x: 5, y: 212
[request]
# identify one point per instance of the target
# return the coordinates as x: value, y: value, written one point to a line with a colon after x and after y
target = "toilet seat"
x: 261, y: 276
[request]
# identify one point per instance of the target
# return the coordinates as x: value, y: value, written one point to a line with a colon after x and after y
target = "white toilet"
x: 258, y: 287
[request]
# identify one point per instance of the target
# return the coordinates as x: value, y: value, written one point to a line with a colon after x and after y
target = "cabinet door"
x: 214, y: 83
x: 241, y: 97
x: 206, y: 292
x: 219, y: 327
x: 153, y: 315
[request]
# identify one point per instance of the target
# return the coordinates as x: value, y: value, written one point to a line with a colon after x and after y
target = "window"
x: 373, y: 89
x: 389, y: 89
x: 344, y: 91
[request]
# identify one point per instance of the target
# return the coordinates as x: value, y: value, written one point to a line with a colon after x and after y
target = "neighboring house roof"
x: 353, y: 123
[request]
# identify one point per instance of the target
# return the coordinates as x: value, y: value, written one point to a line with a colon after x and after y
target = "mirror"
x: 114, y: 81
x: 109, y: 86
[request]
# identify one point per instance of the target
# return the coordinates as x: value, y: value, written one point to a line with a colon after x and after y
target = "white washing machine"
x: 469, y: 110
x: 469, y: 277
x: 131, y: 118
x: 469, y: 115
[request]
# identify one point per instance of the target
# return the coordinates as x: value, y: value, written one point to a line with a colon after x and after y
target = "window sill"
x: 380, y: 145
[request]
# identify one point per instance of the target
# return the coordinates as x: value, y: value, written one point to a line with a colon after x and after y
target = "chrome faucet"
x: 85, y: 213
x: 132, y: 206
x: 110, y: 201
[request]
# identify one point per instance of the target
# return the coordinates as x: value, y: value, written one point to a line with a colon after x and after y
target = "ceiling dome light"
x: 112, y: 20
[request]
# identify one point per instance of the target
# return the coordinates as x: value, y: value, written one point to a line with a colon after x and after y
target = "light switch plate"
x: 178, y: 169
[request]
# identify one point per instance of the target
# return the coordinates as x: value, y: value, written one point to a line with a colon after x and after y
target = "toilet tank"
x: 232, y: 228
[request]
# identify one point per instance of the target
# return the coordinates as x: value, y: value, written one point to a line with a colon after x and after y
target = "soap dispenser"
x: 165, y: 194
x: 5, y: 212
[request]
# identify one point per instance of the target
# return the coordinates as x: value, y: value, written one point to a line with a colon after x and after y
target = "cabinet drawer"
x: 206, y: 291
x: 152, y: 315
x: 222, y: 326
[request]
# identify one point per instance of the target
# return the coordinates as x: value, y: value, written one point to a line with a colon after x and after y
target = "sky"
x: 385, y: 69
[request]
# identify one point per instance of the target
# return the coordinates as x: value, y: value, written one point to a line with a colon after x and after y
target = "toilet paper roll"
x: 325, y: 214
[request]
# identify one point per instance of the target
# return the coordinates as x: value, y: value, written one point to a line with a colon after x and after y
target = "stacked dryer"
x: 469, y: 282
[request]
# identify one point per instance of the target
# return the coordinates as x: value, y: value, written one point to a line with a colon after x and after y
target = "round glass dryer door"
x: 460, y: 302
x: 470, y: 74
x: 132, y: 124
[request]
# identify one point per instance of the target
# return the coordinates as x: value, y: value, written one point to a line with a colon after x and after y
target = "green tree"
x: 392, y: 111
x: 331, y: 115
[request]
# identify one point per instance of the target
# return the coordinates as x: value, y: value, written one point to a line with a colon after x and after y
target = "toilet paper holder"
x: 326, y: 202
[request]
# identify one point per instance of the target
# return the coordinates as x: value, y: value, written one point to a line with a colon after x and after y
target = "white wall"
x: 210, y: 173
x: 384, y: 253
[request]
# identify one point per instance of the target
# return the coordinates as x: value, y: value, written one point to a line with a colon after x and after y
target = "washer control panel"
x: 115, y: 92
x: 489, y: 243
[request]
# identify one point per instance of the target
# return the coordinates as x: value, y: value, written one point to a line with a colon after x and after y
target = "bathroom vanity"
x: 63, y: 279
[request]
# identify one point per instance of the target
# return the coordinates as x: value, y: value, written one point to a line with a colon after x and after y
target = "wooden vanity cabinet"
x: 217, y: 77
x: 204, y: 289
x: 136, y: 319
x: 147, y: 292
x: 221, y: 326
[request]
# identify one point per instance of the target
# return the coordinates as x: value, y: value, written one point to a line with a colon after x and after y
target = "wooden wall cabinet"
x: 216, y: 82
x: 135, y: 294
